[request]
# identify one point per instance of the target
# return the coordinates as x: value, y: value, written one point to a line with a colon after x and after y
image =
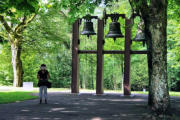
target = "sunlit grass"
x: 174, y: 94
x: 139, y: 92
x: 12, y: 96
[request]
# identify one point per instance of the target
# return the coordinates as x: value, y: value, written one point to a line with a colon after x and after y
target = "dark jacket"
x: 43, y: 79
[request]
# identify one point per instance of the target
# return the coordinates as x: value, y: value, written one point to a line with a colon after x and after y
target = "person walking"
x: 43, y: 83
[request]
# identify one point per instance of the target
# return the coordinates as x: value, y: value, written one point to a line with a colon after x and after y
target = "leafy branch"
x: 5, y: 24
x: 19, y: 29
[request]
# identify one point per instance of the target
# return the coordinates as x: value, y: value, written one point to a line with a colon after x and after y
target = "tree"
x: 154, y: 14
x: 15, y: 16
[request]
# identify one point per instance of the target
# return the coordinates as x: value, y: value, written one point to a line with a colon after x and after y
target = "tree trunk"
x: 84, y: 83
x: 92, y: 78
x: 122, y: 71
x: 114, y: 76
x: 155, y: 28
x: 17, y: 64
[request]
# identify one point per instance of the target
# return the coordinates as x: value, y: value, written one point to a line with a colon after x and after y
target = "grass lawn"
x: 15, y: 96
x: 177, y: 94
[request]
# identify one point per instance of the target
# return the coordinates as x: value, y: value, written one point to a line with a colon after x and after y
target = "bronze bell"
x: 88, y: 28
x: 114, y: 31
x: 114, y: 27
x: 140, y: 37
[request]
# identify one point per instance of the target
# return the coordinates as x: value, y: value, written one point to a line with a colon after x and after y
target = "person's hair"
x: 43, y: 65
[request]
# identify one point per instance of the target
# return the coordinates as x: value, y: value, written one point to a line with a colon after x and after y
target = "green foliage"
x: 17, y: 9
x: 173, y: 39
x: 174, y: 9
x: 139, y: 72
x: 6, y: 73
x: 13, y: 8
x: 60, y: 71
x: 48, y: 40
x: 74, y: 9
x: 78, y: 8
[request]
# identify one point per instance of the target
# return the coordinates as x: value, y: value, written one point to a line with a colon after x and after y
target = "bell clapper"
x: 114, y: 39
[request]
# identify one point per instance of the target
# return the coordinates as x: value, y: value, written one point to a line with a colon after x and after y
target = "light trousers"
x: 43, y: 92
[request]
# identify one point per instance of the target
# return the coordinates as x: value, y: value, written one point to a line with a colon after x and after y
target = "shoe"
x: 40, y: 101
x: 45, y: 101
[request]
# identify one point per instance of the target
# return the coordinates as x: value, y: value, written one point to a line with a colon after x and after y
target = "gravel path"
x: 66, y: 106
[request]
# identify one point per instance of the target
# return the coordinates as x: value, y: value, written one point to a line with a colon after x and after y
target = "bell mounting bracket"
x: 114, y: 17
x: 87, y: 18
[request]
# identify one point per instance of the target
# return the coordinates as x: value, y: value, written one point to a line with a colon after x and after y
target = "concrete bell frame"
x: 100, y: 56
